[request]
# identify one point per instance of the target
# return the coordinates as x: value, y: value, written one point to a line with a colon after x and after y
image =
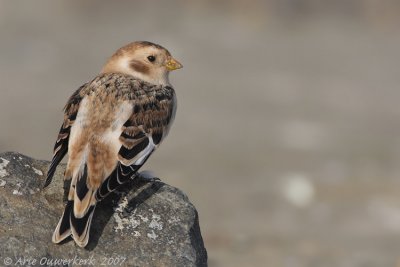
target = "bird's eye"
x: 151, y: 58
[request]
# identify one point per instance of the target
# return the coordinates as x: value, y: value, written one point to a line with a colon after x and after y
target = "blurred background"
x: 287, y: 135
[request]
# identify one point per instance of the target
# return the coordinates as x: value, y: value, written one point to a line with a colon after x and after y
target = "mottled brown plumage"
x: 111, y: 126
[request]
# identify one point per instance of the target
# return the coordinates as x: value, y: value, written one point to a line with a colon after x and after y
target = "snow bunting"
x: 111, y: 126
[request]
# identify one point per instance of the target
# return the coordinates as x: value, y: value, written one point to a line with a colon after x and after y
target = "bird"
x: 111, y: 126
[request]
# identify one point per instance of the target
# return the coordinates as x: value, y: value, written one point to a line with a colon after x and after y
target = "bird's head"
x: 144, y: 60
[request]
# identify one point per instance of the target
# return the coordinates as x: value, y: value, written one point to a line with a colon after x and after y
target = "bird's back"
x: 108, y: 102
x: 95, y: 133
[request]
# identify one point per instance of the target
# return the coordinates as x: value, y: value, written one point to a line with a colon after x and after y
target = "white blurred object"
x: 298, y: 189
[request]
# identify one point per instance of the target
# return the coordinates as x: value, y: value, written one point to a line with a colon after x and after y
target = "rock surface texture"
x: 144, y: 224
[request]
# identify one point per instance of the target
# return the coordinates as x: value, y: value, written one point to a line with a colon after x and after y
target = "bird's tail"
x: 78, y: 213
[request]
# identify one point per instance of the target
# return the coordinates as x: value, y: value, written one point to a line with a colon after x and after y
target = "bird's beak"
x: 173, y: 64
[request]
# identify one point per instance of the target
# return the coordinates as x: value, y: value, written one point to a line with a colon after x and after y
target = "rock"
x: 145, y: 224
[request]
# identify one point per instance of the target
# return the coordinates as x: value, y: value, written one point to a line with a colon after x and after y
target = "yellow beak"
x: 173, y: 64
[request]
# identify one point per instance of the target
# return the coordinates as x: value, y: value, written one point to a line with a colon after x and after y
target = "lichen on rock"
x: 146, y: 224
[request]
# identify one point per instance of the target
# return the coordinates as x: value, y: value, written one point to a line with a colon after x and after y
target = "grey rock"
x: 144, y: 224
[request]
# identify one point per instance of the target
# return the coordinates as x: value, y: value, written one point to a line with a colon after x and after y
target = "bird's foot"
x: 146, y: 177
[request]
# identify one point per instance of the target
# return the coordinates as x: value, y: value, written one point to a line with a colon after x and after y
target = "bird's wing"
x: 61, y: 145
x: 142, y: 133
